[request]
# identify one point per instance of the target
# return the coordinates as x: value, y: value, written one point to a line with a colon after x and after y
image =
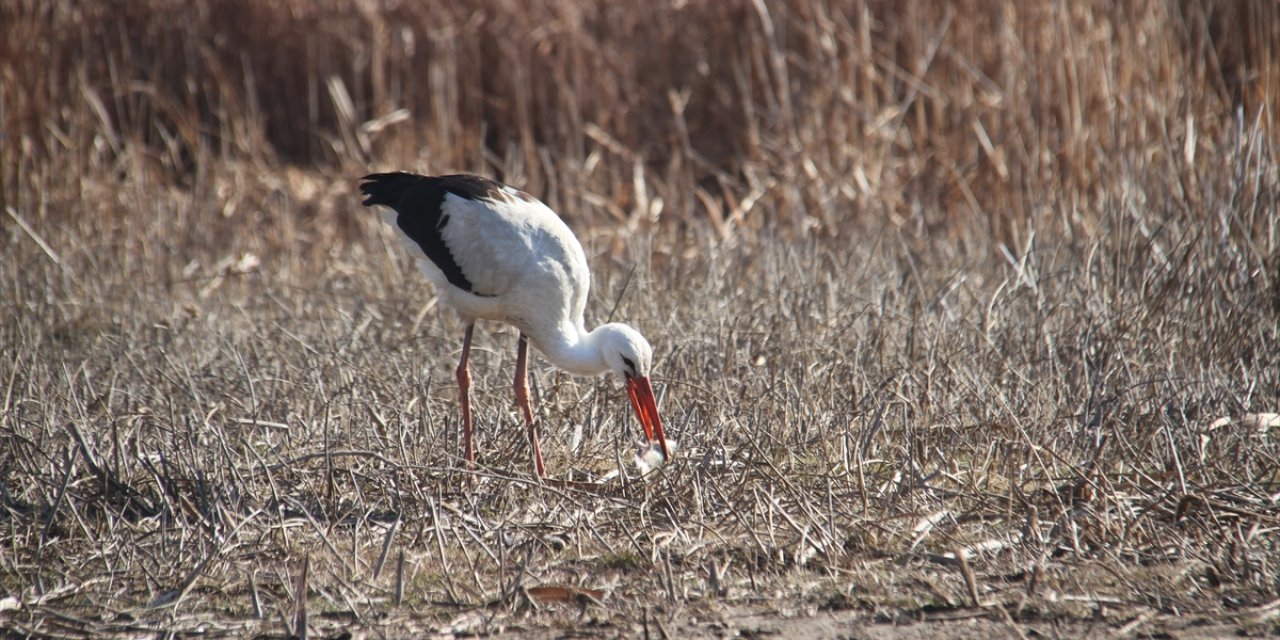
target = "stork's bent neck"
x: 573, y: 349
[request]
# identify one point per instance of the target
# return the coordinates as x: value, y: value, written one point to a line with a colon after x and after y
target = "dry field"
x: 966, y: 315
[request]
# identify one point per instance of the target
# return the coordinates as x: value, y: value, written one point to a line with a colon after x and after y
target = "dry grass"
x: 926, y: 280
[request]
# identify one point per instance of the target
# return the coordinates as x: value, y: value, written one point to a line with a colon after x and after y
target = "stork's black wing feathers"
x: 418, y: 202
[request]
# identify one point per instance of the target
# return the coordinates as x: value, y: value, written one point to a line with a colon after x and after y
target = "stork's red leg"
x: 464, y: 390
x: 522, y: 399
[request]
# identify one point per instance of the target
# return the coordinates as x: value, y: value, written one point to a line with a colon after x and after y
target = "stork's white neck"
x: 573, y: 349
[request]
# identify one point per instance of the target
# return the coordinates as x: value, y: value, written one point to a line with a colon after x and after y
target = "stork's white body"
x: 528, y: 266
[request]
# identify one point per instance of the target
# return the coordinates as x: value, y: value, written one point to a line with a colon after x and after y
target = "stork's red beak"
x: 646, y: 407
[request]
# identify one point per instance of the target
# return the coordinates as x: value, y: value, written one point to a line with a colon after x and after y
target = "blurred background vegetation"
x: 800, y: 116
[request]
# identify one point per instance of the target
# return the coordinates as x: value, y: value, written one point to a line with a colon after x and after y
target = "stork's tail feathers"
x: 417, y: 212
x: 387, y: 188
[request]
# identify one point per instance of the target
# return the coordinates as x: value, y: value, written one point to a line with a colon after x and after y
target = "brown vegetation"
x: 961, y: 308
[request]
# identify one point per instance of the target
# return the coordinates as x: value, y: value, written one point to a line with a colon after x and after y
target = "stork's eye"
x: 631, y: 366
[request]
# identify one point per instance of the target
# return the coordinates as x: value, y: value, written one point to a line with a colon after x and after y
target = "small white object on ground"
x: 650, y: 457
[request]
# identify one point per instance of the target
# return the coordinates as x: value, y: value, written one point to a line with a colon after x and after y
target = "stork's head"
x: 629, y: 355
x: 625, y: 351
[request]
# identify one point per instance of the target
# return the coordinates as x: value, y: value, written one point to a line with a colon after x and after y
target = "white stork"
x: 497, y: 253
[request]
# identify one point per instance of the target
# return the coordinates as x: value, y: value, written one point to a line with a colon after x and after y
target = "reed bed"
x: 963, y: 311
